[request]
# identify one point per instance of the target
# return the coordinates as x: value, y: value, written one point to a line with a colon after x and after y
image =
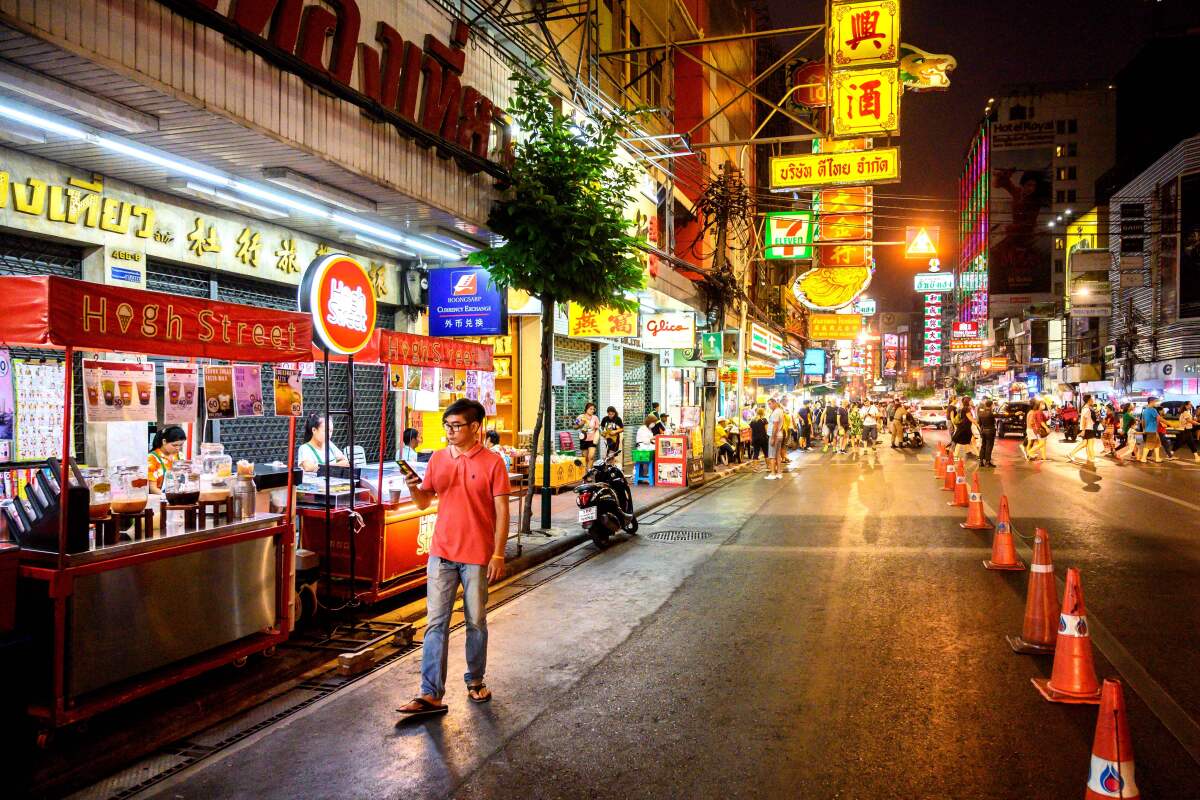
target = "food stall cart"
x: 116, y: 619
x: 392, y: 541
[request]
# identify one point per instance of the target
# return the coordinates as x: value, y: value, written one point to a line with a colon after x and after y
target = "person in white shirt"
x: 870, y: 418
x: 645, y: 434
x: 775, y: 440
x: 311, y: 454
x: 412, y: 440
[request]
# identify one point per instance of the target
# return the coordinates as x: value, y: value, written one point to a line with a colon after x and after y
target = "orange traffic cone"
x: 1074, y: 677
x: 976, y: 520
x: 948, y: 474
x: 960, y: 486
x: 939, y: 463
x: 1040, y: 629
x: 1111, y: 771
x: 1004, y: 554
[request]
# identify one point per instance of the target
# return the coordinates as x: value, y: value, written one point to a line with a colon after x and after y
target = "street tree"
x: 562, y: 218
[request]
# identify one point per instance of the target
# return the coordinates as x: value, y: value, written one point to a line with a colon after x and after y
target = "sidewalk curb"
x: 563, y: 544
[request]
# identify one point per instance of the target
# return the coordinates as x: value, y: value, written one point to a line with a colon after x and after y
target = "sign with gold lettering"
x: 834, y: 326
x: 864, y: 33
x: 49, y: 199
x: 816, y: 170
x: 601, y: 323
x: 52, y: 311
x: 427, y: 351
x: 866, y: 102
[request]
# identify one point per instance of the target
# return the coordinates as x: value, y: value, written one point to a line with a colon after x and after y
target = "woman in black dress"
x: 964, y: 420
x: 758, y: 434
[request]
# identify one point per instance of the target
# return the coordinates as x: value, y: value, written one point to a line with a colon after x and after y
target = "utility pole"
x: 719, y: 263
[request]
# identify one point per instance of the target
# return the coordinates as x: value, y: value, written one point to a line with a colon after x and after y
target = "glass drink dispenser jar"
x: 181, y: 485
x: 100, y: 492
x: 215, y: 469
x: 129, y: 489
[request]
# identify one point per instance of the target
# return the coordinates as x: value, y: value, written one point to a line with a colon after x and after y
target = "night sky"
x: 995, y: 43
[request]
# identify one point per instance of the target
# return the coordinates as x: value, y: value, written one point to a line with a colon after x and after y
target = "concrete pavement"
x: 835, y: 637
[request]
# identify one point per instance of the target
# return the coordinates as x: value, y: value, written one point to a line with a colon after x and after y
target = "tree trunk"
x: 544, y: 417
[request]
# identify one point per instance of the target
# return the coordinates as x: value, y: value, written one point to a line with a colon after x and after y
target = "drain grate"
x: 678, y: 536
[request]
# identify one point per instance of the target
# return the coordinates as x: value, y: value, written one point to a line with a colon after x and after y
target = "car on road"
x: 932, y: 414
x: 1170, y: 411
x: 1011, y: 418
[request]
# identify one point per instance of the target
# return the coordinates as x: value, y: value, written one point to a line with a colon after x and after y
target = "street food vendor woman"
x: 167, y: 445
x: 311, y: 454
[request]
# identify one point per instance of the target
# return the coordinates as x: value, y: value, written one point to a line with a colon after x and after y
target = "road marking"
x: 1183, y: 727
x: 1134, y: 486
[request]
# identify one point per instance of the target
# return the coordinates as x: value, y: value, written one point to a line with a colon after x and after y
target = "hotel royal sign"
x: 818, y: 170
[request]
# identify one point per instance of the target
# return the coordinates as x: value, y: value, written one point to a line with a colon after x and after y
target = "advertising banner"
x: 179, y: 395
x: 218, y: 392
x: 38, y: 389
x: 669, y: 330
x: 247, y: 390
x: 818, y: 170
x: 466, y: 302
x: 926, y: 282
x: 964, y: 330
x: 891, y: 354
x: 119, y: 391
x: 7, y: 404
x: 814, y: 361
x: 1020, y: 263
x: 422, y: 351
x: 289, y: 393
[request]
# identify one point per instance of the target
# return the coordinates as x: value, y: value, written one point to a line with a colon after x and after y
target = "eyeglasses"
x: 455, y: 427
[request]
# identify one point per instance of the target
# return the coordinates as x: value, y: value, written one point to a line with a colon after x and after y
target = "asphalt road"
x: 836, y: 637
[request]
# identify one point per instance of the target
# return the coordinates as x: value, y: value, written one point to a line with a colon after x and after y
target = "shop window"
x: 1060, y: 127
x: 1072, y: 196
x: 1072, y: 149
x: 1072, y: 126
x: 1059, y: 243
x: 1060, y: 196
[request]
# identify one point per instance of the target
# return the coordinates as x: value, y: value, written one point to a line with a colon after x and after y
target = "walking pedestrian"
x: 1125, y: 436
x: 1151, y: 425
x: 467, y: 550
x: 589, y: 438
x: 611, y: 428
x: 963, y: 421
x: 1112, y: 424
x: 1187, y: 429
x: 871, y: 425
x: 843, y: 429
x: 987, y: 432
x: 775, y: 431
x: 1070, y: 421
x: 804, y: 423
x: 759, y: 440
x: 896, y: 420
x: 1090, y: 423
x: 1038, y: 431
x: 830, y: 422
x: 855, y: 420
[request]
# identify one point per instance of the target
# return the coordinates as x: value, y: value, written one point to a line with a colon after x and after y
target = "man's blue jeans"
x: 444, y: 578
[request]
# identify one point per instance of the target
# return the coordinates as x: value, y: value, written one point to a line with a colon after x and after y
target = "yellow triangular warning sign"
x: 921, y: 246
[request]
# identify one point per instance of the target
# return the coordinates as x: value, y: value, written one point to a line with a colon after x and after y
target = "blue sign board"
x: 814, y: 361
x: 466, y: 302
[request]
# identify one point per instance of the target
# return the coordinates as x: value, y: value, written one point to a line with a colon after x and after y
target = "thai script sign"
x: 881, y: 165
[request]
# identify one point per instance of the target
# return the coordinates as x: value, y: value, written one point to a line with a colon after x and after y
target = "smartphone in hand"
x: 407, y: 471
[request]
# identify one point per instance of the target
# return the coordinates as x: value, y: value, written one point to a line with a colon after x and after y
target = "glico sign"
x: 414, y: 86
x: 339, y: 295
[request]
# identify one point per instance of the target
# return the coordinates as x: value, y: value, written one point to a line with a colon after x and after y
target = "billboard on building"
x: 1020, y: 240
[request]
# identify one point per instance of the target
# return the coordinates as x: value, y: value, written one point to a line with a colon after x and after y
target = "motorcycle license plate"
x: 587, y: 514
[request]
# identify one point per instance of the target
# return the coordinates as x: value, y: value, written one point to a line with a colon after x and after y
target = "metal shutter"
x: 582, y: 368
x: 637, y: 380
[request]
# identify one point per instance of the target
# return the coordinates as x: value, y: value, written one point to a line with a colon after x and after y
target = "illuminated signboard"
x: 788, y: 234
x: 926, y: 282
x: 933, y: 329
x: 816, y: 170
x: 760, y: 340
x: 864, y: 33
x: 866, y: 102
x: 964, y: 330
x: 834, y: 326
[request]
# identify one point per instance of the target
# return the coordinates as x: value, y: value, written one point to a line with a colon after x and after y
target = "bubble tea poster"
x: 119, y: 391
x: 218, y: 392
x: 179, y: 393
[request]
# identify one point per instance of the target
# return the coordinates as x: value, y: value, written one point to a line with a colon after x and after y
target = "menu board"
x: 179, y: 399
x: 7, y: 403
x: 218, y: 392
x: 247, y: 389
x: 670, y: 460
x: 38, y: 388
x: 289, y: 396
x: 119, y: 391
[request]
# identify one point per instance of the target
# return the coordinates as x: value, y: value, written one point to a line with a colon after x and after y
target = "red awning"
x: 410, y: 350
x: 49, y: 311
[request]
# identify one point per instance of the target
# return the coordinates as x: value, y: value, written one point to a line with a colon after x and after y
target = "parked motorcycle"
x: 605, y: 501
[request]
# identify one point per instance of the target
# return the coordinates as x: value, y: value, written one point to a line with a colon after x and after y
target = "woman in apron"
x: 311, y: 454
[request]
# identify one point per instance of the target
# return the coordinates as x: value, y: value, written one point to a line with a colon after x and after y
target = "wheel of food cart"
x: 113, y: 622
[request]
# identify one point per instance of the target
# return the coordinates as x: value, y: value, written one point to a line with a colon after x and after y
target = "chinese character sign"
x: 601, y: 322
x: 466, y: 302
x: 866, y: 102
x: 933, y: 330
x: 864, y: 33
x: 834, y: 326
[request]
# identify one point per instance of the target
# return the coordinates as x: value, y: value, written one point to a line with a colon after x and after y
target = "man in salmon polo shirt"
x: 471, y: 485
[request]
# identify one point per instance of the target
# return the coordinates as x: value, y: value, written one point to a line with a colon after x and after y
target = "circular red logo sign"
x: 341, y: 299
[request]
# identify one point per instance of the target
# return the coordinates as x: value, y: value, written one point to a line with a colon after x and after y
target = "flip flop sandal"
x: 479, y: 694
x: 426, y: 709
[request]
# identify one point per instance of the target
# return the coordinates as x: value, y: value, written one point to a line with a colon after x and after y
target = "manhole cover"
x: 678, y: 536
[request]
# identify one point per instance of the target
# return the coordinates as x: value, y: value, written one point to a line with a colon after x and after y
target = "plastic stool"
x: 643, y: 472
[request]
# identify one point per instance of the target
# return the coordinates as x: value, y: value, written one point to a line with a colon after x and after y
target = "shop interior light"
x: 298, y: 182
x: 211, y: 194
x: 281, y: 199
x: 45, y: 90
x: 375, y: 244
x: 168, y: 162
x: 34, y: 119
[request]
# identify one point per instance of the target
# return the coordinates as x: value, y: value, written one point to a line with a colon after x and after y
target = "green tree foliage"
x: 562, y: 214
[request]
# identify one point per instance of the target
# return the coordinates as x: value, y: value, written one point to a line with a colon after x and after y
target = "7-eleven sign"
x: 788, y: 234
